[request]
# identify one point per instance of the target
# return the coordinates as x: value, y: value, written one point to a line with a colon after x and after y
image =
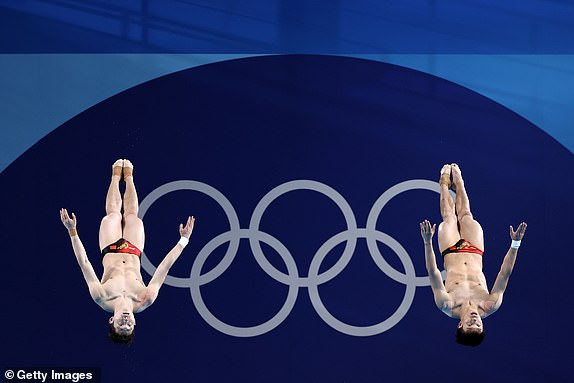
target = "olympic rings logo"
x: 292, y: 279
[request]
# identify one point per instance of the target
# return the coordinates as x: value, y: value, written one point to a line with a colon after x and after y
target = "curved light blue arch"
x: 540, y: 88
x: 39, y: 92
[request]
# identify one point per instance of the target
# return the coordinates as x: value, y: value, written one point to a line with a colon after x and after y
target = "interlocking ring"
x: 292, y: 278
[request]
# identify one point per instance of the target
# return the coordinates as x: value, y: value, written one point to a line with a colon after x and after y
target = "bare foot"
x: 117, y: 168
x: 445, y: 175
x: 456, y: 175
x: 128, y: 169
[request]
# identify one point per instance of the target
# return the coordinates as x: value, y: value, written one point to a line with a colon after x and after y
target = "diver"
x: 122, y: 238
x: 464, y: 293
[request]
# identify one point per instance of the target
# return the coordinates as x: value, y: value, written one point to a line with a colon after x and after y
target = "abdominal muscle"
x: 465, y: 280
x: 122, y: 279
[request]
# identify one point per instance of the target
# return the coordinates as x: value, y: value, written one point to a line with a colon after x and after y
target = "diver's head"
x: 122, y: 326
x: 470, y: 331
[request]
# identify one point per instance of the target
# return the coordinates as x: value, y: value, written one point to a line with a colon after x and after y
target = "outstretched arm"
x: 94, y: 284
x: 507, y: 265
x: 441, y: 297
x: 161, y: 272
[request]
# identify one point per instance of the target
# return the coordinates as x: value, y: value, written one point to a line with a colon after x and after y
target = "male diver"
x: 464, y: 294
x: 121, y: 238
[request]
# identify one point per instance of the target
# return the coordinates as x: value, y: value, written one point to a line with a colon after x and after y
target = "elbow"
x: 431, y: 269
x: 83, y: 260
x: 434, y: 273
x: 505, y: 272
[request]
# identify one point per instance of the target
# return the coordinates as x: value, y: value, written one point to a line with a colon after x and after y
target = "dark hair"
x: 120, y: 338
x: 469, y: 338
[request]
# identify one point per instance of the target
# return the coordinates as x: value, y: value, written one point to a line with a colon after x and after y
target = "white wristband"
x: 183, y: 242
x: 515, y: 244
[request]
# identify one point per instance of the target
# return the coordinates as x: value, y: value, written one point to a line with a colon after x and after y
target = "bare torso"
x: 465, y: 282
x: 122, y: 280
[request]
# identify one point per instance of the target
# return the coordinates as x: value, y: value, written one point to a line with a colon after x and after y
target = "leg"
x: 133, y: 229
x: 469, y: 228
x: 447, y: 231
x: 111, y: 225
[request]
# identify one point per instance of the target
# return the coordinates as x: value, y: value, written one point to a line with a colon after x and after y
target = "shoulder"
x: 445, y: 305
x: 492, y: 304
x: 97, y: 292
x: 148, y: 299
x: 103, y: 302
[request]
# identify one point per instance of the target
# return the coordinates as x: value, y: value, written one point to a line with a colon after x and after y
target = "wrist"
x: 515, y: 244
x: 183, y: 241
x: 73, y: 232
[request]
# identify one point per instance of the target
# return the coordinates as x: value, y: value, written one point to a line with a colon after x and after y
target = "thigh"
x: 448, y: 234
x: 134, y: 230
x: 110, y: 229
x: 472, y: 232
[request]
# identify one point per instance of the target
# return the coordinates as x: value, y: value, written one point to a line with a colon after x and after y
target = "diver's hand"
x: 427, y: 231
x: 69, y: 223
x: 185, y: 231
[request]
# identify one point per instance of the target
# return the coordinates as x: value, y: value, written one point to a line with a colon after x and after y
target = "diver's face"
x: 471, y: 322
x: 123, y: 322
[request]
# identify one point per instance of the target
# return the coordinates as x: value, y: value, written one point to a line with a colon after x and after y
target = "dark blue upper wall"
x: 274, y: 26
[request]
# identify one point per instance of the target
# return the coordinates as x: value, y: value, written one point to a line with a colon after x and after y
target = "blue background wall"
x: 338, y: 105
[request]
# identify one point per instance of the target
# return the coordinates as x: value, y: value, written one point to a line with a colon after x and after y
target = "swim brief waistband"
x: 121, y: 246
x: 462, y: 246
